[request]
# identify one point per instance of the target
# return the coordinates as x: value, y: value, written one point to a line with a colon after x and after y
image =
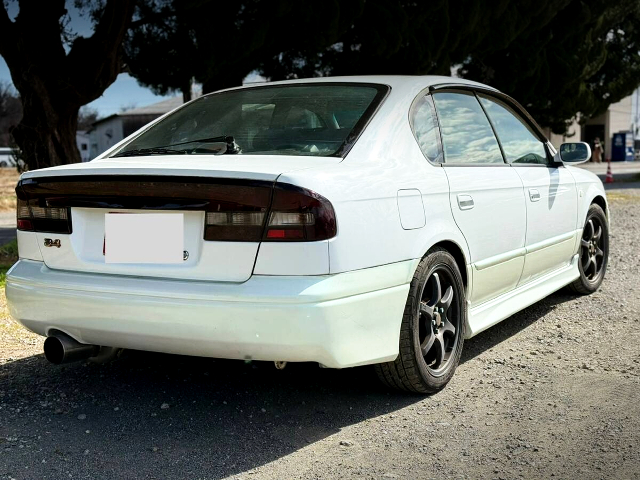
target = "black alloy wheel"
x: 439, y: 320
x: 591, y: 249
x: 433, y: 327
x: 593, y: 253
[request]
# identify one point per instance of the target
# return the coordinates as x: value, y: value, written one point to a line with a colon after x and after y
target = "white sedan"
x: 345, y: 221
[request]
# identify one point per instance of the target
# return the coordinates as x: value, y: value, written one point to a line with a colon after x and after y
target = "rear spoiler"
x: 145, y: 192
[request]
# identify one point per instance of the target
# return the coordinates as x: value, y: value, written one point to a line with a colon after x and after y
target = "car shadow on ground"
x: 167, y: 416
x: 506, y: 329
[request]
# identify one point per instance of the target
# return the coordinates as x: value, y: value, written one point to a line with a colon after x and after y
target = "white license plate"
x: 143, y: 237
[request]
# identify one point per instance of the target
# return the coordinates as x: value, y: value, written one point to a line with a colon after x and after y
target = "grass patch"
x: 3, y: 276
x: 9, y: 250
x: 8, y: 256
x: 622, y: 196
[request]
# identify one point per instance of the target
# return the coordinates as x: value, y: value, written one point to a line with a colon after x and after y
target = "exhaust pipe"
x: 61, y: 348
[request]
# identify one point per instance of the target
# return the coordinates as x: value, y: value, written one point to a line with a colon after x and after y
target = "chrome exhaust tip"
x: 61, y: 348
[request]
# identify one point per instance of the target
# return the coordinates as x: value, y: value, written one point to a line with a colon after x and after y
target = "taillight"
x: 236, y: 210
x: 33, y: 218
x: 298, y: 214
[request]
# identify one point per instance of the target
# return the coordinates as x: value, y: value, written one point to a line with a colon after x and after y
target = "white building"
x: 622, y: 116
x: 82, y: 140
x: 618, y: 118
x: 108, y: 131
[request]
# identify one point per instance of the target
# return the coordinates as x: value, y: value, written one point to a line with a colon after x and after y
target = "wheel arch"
x: 457, y: 253
x: 602, y: 203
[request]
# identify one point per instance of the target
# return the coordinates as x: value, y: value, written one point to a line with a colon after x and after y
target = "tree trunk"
x: 54, y: 79
x: 46, y: 134
x: 186, y: 92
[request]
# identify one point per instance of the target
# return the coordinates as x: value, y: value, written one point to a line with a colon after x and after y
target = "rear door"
x: 550, y: 191
x: 486, y: 195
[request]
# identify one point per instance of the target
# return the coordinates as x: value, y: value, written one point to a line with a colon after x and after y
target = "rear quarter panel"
x: 364, y: 187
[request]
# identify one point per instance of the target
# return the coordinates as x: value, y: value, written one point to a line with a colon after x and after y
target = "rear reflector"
x: 277, y: 234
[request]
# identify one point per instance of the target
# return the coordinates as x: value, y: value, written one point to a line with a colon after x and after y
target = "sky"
x: 124, y: 92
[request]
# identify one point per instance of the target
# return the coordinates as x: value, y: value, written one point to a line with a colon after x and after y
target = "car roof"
x: 407, y: 83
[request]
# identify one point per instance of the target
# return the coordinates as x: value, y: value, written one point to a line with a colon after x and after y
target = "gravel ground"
x: 550, y: 392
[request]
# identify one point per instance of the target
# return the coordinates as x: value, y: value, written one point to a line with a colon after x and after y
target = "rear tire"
x: 594, y: 252
x: 433, y: 327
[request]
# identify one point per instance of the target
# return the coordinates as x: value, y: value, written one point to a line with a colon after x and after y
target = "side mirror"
x: 573, y: 153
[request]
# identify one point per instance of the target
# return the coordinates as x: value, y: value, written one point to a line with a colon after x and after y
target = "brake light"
x: 298, y: 214
x: 33, y: 218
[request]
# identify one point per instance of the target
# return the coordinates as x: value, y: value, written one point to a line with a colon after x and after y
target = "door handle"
x: 465, y: 202
x: 534, y: 195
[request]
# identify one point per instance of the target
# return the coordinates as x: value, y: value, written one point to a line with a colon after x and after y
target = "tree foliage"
x: 558, y: 57
x: 584, y: 59
x: 408, y: 37
x: 219, y: 43
x: 87, y: 116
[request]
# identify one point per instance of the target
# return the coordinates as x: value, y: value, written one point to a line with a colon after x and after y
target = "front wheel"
x: 594, y: 252
x: 433, y: 327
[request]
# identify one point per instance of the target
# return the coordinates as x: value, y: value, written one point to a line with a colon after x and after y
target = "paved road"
x: 622, y: 171
x: 7, y: 227
x: 552, y: 391
x: 7, y: 235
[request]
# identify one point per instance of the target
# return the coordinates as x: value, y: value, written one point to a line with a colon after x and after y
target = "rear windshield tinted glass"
x: 305, y: 119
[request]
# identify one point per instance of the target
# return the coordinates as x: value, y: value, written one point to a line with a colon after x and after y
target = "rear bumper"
x: 340, y: 320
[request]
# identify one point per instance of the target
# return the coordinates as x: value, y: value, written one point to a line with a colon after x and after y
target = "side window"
x: 466, y: 133
x: 519, y: 143
x: 425, y: 129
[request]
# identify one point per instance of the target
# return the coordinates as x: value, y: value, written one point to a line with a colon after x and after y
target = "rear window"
x: 302, y: 120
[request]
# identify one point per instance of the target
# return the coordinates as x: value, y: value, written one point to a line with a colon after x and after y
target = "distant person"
x: 597, y: 151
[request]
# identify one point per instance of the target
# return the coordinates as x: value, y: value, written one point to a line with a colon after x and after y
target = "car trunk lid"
x: 188, y: 187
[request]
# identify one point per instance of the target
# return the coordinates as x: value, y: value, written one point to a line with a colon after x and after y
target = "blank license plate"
x: 143, y: 237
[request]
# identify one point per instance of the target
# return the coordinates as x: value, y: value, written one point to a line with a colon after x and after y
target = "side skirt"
x: 489, y: 313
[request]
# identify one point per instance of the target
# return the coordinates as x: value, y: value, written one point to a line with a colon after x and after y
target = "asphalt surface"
x: 550, y: 392
x: 7, y: 227
x: 621, y: 171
